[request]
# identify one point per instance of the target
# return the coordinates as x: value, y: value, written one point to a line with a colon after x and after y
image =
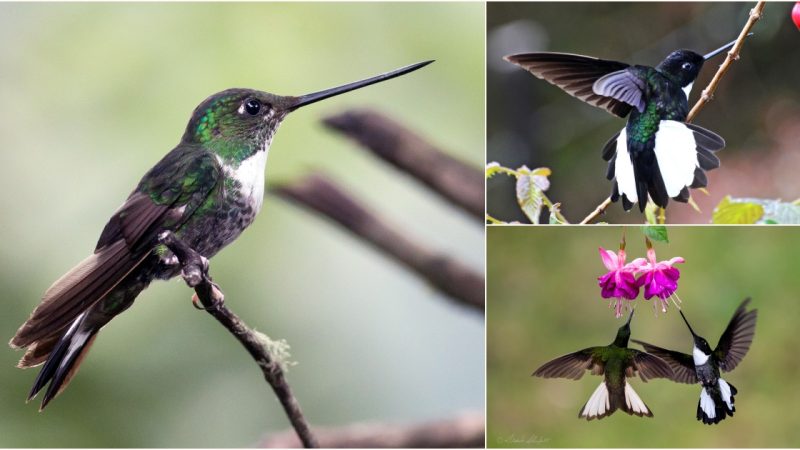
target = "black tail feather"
x: 63, y: 361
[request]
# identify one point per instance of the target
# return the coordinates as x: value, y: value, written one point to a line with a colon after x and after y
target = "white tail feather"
x: 635, y: 404
x: 676, y: 152
x: 725, y: 390
x: 598, y: 403
x: 623, y: 169
x: 707, y: 404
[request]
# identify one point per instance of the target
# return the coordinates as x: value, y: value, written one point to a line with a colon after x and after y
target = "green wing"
x: 165, y: 198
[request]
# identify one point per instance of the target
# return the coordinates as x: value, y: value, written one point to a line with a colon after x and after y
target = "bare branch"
x: 456, y: 181
x: 446, y: 274
x: 195, y: 273
x: 733, y: 55
x: 601, y: 208
x: 464, y: 431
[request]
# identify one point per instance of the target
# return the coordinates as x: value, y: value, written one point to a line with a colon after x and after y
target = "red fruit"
x: 796, y: 15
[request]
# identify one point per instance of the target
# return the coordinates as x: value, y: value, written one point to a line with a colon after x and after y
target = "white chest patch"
x: 688, y: 90
x: 699, y: 357
x: 250, y: 175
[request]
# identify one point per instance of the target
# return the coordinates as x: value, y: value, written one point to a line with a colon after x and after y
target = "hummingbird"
x: 206, y: 191
x: 657, y: 153
x: 703, y: 365
x: 615, y: 362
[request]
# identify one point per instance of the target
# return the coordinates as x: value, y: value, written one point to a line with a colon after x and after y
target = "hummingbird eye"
x: 252, y: 106
x: 687, y: 66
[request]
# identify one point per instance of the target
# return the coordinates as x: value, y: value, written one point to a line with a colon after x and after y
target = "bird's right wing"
x: 571, y: 366
x: 681, y: 364
x: 159, y: 203
x: 575, y: 74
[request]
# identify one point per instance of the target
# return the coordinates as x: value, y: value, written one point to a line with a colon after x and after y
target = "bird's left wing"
x: 650, y: 366
x: 575, y: 74
x: 736, y: 340
x: 626, y: 85
x: 681, y: 364
x: 571, y: 366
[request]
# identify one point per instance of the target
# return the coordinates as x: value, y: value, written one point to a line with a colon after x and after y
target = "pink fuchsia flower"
x: 619, y: 283
x: 660, y: 279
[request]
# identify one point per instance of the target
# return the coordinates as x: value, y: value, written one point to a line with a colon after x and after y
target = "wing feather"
x: 575, y: 74
x: 650, y: 366
x: 736, y: 340
x: 571, y: 366
x: 681, y: 364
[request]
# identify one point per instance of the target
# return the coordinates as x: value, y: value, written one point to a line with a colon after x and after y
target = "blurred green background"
x: 756, y: 108
x: 543, y: 302
x: 94, y: 94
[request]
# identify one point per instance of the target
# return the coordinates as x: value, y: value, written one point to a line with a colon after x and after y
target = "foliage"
x: 742, y: 211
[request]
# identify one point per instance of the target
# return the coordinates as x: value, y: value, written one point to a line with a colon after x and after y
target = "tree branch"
x: 446, y: 274
x: 733, y: 55
x: 601, y: 208
x: 464, y: 431
x: 456, y: 181
x: 195, y: 273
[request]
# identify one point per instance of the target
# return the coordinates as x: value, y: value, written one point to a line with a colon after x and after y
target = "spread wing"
x: 571, y: 366
x: 736, y: 340
x: 575, y: 74
x: 167, y: 195
x: 681, y: 364
x: 650, y: 366
x: 626, y: 85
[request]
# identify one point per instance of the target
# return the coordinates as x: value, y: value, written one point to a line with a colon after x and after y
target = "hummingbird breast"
x: 230, y: 208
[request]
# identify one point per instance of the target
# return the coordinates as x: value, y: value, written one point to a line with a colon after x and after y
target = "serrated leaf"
x: 775, y: 211
x: 734, y: 211
x: 656, y: 233
x: 530, y: 189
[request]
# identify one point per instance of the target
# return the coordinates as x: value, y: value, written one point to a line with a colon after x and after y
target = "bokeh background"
x: 95, y: 94
x: 756, y: 108
x: 544, y: 302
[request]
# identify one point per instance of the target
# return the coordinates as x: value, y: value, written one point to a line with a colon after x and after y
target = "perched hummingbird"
x: 703, y: 365
x: 616, y: 362
x: 657, y: 152
x: 206, y: 191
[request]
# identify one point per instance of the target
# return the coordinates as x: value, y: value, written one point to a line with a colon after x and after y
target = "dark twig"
x: 195, y: 273
x: 465, y: 431
x: 456, y: 181
x: 443, y: 272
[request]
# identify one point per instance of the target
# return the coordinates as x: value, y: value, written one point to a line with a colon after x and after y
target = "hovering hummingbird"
x: 615, y: 362
x: 657, y: 152
x: 703, y: 365
x: 206, y: 191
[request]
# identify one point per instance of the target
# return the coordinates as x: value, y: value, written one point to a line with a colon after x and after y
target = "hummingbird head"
x: 685, y: 65
x: 236, y: 123
x: 624, y: 333
x: 700, y: 343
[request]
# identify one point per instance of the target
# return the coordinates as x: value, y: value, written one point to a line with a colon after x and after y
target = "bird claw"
x: 217, y: 299
x: 195, y: 271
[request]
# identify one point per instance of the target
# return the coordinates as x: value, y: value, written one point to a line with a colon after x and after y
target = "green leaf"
x: 650, y: 213
x: 656, y: 233
x: 530, y: 188
x: 736, y: 211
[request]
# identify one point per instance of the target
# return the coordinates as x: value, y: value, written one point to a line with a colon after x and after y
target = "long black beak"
x: 687, y: 323
x: 722, y: 49
x: 308, y: 99
x: 630, y: 318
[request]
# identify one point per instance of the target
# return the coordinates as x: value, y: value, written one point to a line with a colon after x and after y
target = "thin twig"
x: 733, y: 55
x: 195, y: 273
x: 464, y: 431
x: 449, y: 177
x: 601, y: 208
x: 446, y: 274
